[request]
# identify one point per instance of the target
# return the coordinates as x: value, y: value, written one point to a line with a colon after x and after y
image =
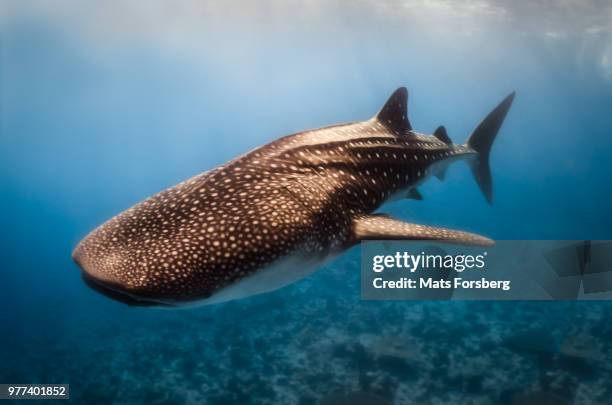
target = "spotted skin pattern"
x: 309, y: 194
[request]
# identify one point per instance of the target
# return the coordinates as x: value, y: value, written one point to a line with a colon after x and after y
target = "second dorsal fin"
x: 441, y: 134
x: 394, y: 114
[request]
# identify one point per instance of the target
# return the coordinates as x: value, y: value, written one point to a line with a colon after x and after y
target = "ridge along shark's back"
x: 274, y: 214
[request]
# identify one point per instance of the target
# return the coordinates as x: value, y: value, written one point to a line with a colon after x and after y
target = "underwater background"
x: 104, y: 103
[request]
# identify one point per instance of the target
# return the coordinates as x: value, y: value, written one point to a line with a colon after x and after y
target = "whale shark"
x: 273, y: 215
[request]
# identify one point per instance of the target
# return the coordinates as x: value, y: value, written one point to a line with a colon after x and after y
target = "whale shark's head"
x: 108, y: 269
x: 142, y: 263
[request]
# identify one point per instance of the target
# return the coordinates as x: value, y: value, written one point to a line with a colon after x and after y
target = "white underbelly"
x: 277, y: 275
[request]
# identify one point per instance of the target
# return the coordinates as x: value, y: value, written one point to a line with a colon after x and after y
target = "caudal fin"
x: 481, y: 140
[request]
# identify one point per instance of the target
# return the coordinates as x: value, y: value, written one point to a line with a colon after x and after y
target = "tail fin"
x: 481, y: 140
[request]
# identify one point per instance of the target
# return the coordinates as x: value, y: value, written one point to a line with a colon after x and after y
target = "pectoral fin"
x: 383, y: 227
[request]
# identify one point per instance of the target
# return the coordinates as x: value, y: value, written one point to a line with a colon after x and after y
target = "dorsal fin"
x: 441, y: 134
x: 394, y: 114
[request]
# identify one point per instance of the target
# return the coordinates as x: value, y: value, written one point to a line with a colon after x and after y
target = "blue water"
x: 102, y: 107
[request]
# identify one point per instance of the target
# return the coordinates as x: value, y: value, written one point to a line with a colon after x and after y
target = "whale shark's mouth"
x: 124, y: 298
